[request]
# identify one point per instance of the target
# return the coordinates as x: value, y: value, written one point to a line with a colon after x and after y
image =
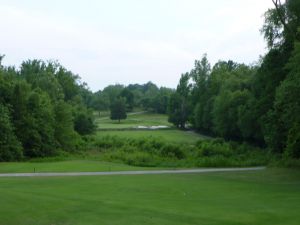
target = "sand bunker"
x: 153, y: 127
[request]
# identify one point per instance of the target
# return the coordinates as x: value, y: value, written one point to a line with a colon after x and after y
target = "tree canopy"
x: 118, y: 109
x: 255, y: 103
x: 43, y: 110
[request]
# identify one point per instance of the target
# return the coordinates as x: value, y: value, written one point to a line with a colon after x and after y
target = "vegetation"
x: 91, y: 162
x: 146, y: 96
x: 43, y: 111
x: 148, y: 150
x: 133, y: 120
x: 250, y: 115
x: 257, y: 103
x: 268, y: 197
x: 167, y: 135
x: 254, y: 109
x: 118, y: 110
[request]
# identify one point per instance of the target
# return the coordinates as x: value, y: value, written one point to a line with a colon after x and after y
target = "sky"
x: 131, y: 41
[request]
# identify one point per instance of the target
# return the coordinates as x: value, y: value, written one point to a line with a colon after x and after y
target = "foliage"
x: 11, y: 148
x: 129, y: 99
x: 118, y: 109
x: 255, y: 103
x: 179, y: 105
x: 145, y: 96
x: 40, y: 106
x: 157, y: 152
x: 287, y: 107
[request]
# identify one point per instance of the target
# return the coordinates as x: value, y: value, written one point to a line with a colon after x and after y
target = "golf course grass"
x: 107, y: 126
x: 267, y: 197
x: 66, y: 166
x: 133, y: 120
x: 173, y: 135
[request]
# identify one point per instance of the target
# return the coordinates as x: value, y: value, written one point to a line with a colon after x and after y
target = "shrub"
x: 109, y: 142
x: 154, y: 152
x: 171, y: 150
x: 212, y: 148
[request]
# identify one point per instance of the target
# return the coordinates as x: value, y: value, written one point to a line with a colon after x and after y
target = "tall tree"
x: 118, y: 110
x: 199, y: 96
x: 129, y: 98
x: 11, y: 148
x: 65, y: 135
x: 286, y: 112
x: 179, y: 105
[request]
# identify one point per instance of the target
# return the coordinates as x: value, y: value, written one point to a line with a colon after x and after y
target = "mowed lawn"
x: 84, y: 165
x: 107, y: 126
x: 264, y: 198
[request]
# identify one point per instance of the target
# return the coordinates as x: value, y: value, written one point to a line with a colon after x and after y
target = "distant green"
x: 173, y: 135
x: 270, y: 197
x: 133, y: 121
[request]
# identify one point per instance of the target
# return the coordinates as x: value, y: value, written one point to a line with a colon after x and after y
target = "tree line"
x: 43, y: 110
x: 257, y: 103
x: 46, y: 109
x: 147, y: 97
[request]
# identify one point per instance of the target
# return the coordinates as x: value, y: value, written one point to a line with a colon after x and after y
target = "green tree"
x: 286, y: 112
x: 199, y: 96
x: 66, y: 137
x: 225, y: 115
x: 100, y: 101
x: 179, y: 106
x: 84, y: 123
x: 42, y: 75
x: 19, y: 109
x: 11, y: 148
x: 161, y: 100
x: 68, y: 82
x: 39, y: 137
x: 129, y: 97
x: 118, y: 110
x: 281, y: 24
x: 113, y: 92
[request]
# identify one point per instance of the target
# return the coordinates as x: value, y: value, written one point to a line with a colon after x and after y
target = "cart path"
x: 179, y: 171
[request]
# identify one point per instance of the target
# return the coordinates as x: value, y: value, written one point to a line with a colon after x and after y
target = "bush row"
x: 154, y: 152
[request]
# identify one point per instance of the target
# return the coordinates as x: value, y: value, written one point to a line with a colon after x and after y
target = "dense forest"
x: 46, y: 109
x: 257, y: 103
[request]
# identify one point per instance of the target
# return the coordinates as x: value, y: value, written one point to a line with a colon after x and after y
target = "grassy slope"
x: 268, y: 197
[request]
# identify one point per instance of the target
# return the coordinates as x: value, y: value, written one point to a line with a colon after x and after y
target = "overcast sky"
x: 131, y: 41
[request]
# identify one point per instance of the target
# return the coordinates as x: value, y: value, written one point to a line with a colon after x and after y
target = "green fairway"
x: 266, y: 197
x: 114, y: 128
x: 65, y: 166
x: 173, y: 135
x: 133, y: 120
